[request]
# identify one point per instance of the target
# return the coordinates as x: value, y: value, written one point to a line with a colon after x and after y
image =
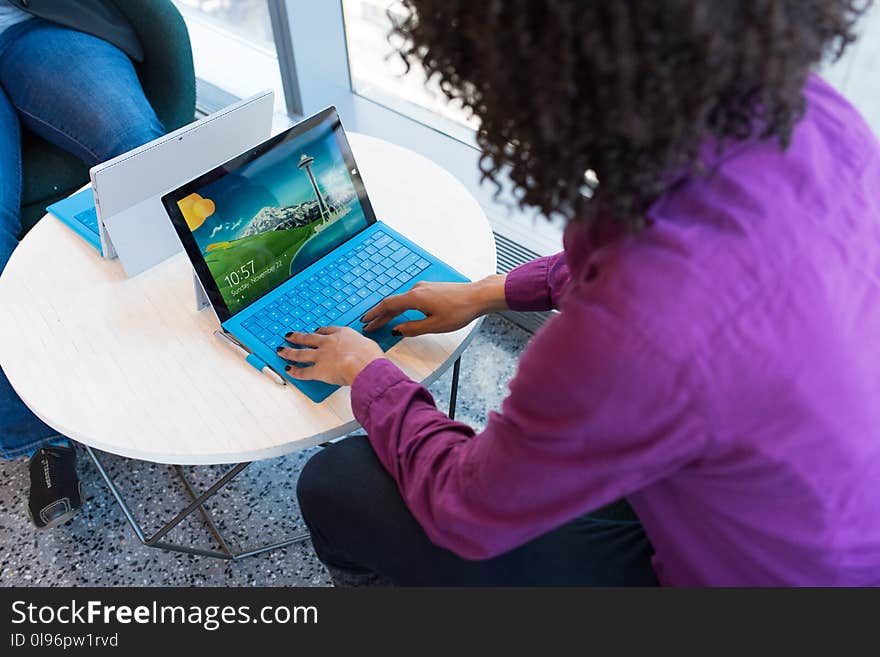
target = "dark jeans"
x: 360, y: 525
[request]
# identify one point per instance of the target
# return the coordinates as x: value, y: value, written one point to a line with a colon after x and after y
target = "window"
x: 233, y: 50
x: 378, y: 74
x: 855, y: 75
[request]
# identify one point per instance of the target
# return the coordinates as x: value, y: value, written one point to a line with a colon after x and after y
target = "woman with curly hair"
x: 714, y: 361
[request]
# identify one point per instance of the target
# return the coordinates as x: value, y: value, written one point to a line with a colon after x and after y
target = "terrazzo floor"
x: 97, y: 548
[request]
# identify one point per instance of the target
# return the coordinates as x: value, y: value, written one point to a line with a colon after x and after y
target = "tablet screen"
x: 271, y: 213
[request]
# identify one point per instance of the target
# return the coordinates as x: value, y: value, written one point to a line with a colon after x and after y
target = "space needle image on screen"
x: 274, y: 216
x: 305, y: 164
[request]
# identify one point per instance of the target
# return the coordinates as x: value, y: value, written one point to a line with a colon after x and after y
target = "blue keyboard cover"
x: 337, y: 291
x: 89, y: 218
x: 78, y: 213
x: 372, y: 270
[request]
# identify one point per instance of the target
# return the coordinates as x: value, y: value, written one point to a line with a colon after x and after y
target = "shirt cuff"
x: 370, y: 384
x: 526, y: 288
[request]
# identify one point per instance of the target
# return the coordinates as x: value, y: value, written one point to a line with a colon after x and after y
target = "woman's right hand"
x: 447, y: 306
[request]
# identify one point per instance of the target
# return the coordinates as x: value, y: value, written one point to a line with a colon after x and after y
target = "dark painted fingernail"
x: 396, y: 333
x: 288, y: 368
x: 363, y: 319
x: 287, y: 335
x: 278, y: 349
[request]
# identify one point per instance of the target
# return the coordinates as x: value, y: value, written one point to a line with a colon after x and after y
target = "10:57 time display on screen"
x: 243, y: 273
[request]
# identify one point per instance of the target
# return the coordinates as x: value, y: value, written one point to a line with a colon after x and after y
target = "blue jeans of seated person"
x: 82, y: 94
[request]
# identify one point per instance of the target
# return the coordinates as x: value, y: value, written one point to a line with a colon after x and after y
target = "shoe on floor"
x: 56, y: 494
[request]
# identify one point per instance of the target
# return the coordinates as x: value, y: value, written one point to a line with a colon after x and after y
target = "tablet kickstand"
x: 202, y: 300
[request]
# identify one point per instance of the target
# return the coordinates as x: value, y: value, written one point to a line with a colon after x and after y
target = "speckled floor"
x: 97, y: 548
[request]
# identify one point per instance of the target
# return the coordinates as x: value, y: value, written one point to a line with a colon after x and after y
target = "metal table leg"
x: 197, y: 503
x: 453, y: 394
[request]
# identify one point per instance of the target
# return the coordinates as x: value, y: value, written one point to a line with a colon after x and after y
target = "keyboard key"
x: 401, y: 253
x: 382, y: 279
x: 385, y: 290
x: 89, y: 218
x: 422, y: 263
x: 343, y: 307
x: 354, y: 299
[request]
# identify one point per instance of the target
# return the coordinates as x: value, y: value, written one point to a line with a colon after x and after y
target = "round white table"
x: 128, y: 366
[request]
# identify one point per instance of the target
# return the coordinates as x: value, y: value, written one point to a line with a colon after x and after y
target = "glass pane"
x: 855, y: 74
x: 233, y: 47
x: 377, y: 74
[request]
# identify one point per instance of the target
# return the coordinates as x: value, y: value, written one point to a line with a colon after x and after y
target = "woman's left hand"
x: 337, y: 354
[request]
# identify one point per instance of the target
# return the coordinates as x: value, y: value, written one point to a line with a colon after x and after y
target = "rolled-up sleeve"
x: 537, y: 285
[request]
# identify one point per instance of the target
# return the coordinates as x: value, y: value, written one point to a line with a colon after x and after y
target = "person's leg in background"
x: 77, y: 91
x: 362, y: 530
x: 10, y: 179
x: 83, y: 95
x: 21, y: 432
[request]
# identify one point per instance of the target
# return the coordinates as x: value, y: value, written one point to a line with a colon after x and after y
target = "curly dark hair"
x: 628, y: 89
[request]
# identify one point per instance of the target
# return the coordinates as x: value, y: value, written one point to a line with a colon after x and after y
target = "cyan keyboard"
x: 362, y: 276
x: 89, y: 219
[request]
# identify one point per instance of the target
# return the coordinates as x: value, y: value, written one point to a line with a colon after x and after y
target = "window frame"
x: 313, y: 56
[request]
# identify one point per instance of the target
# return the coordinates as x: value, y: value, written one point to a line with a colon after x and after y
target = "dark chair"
x: 168, y: 79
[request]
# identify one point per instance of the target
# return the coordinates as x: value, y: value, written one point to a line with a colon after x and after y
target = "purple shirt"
x: 721, y: 370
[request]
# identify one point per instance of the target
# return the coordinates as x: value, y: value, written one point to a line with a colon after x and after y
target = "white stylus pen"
x: 241, y: 350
